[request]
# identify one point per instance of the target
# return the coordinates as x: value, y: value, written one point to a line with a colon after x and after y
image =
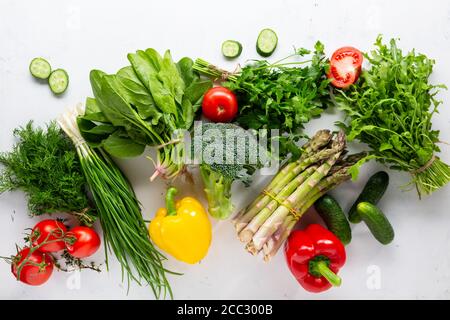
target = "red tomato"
x: 35, y: 269
x: 82, y: 242
x: 345, y: 67
x: 49, y: 231
x: 220, y: 105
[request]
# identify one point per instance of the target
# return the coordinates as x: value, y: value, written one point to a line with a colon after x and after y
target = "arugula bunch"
x: 281, y: 95
x: 44, y: 164
x: 390, y: 109
x: 145, y: 103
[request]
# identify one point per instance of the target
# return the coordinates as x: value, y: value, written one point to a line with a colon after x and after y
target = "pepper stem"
x: 170, y: 201
x: 324, y: 270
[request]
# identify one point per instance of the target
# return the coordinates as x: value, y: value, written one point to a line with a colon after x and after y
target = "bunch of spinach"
x: 390, y: 109
x: 44, y: 164
x: 280, y: 95
x: 145, y: 103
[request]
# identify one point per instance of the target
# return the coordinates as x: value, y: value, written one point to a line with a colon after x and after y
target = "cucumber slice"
x: 267, y: 42
x: 58, y: 81
x: 231, y: 49
x: 40, y: 68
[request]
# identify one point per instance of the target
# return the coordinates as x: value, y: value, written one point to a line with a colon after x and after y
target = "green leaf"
x: 354, y: 169
x: 385, y: 146
x: 186, y: 72
x: 121, y: 147
x: 171, y: 79
x: 138, y: 95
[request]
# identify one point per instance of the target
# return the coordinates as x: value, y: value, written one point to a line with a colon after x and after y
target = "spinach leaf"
x: 138, y: 95
x: 118, y: 145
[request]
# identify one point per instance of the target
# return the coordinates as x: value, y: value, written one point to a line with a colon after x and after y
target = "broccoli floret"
x: 228, y: 153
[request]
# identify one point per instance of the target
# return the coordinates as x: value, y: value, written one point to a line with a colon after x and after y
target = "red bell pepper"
x: 314, y: 256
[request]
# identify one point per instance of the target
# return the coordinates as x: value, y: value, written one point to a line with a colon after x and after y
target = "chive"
x: 125, y: 232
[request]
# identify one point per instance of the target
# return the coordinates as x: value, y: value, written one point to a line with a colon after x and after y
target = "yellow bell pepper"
x: 182, y: 229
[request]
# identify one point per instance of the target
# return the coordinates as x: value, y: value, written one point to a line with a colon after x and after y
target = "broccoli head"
x: 226, y: 153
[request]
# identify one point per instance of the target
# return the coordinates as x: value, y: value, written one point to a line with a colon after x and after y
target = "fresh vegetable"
x: 82, y: 242
x: 277, y: 95
x: 182, y: 229
x: 231, y: 163
x: 124, y: 230
x: 267, y: 222
x: 219, y: 105
x: 376, y: 221
x: 373, y: 191
x: 231, y: 49
x: 150, y: 103
x: 40, y: 68
x: 58, y: 81
x: 333, y: 216
x: 390, y: 109
x: 267, y: 42
x: 314, y: 256
x: 44, y: 164
x: 52, y: 232
x: 32, y: 267
x: 345, y: 67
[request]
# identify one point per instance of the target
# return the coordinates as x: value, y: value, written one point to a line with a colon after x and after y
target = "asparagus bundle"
x: 267, y: 222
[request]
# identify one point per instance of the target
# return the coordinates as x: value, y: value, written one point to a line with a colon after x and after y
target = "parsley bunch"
x: 390, y: 109
x: 44, y: 164
x: 281, y: 95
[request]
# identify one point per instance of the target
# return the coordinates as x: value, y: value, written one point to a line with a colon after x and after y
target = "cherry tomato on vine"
x: 33, y: 268
x: 220, y: 104
x: 49, y: 235
x: 82, y: 242
x: 345, y: 67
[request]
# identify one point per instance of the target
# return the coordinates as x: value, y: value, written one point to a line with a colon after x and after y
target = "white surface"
x: 81, y: 35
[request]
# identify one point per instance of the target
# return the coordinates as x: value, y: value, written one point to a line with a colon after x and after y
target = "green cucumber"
x: 231, y: 49
x: 267, y: 42
x: 376, y: 221
x: 373, y: 191
x: 40, y: 68
x: 333, y: 216
x: 58, y: 81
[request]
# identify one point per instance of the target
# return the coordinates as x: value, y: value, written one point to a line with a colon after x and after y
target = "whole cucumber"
x: 376, y: 221
x: 334, y: 217
x: 373, y: 191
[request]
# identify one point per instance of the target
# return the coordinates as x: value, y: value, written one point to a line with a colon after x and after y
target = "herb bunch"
x: 282, y: 95
x: 390, y: 108
x: 44, y: 164
x: 124, y: 230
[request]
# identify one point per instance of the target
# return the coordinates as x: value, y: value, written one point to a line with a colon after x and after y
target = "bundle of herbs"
x: 151, y: 102
x: 124, y: 229
x: 267, y: 222
x: 390, y: 109
x: 283, y: 95
x: 44, y: 164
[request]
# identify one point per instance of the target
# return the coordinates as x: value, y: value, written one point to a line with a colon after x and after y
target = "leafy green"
x: 281, y: 95
x: 390, y: 109
x: 276, y: 96
x: 44, y: 164
x: 144, y: 104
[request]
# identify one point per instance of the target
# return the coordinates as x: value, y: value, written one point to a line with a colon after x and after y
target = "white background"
x: 81, y: 35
